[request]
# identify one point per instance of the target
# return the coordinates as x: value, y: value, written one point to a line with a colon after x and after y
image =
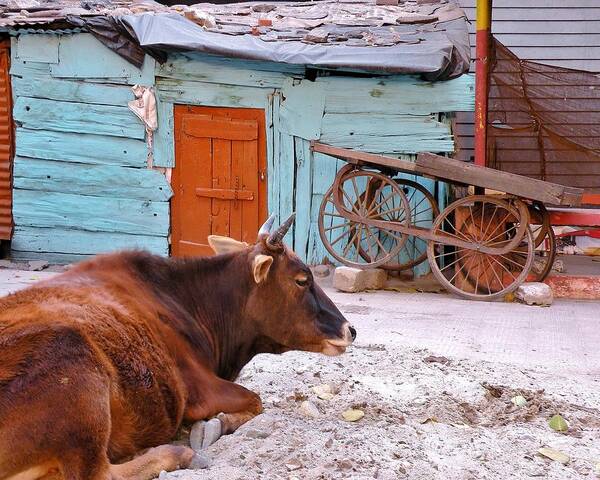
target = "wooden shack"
x: 240, y: 92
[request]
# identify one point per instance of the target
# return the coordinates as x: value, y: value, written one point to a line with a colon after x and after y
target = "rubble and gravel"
x: 426, y: 415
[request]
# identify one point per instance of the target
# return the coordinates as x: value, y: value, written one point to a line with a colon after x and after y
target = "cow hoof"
x: 204, y: 434
x: 200, y: 461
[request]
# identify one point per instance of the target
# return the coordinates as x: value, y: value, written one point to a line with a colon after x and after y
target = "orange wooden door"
x: 219, y: 180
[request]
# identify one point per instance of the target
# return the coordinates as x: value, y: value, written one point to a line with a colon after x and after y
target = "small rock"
x: 309, y: 409
x: 345, y: 464
x: 436, y: 359
x: 597, y: 469
x: 558, y: 266
x: 162, y: 475
x: 555, y: 455
x: 321, y: 271
x: 256, y: 433
x: 535, y: 293
x: 37, y: 265
x: 353, y: 415
x: 323, y: 391
x: 293, y: 464
x: 348, y: 279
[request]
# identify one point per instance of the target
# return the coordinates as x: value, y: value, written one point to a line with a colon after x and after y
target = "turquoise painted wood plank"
x: 274, y: 162
x: 398, y: 94
x: 301, y: 112
x: 100, y: 214
x: 81, y: 242
x: 378, y: 133
x: 269, y: 125
x: 303, y: 196
x: 80, y: 148
x: 164, y: 141
x: 324, y: 169
x: 26, y: 68
x: 37, y: 48
x: 71, y: 90
x: 85, y: 179
x: 212, y: 94
x: 423, y: 218
x: 52, y: 258
x: 213, y: 69
x: 82, y: 56
x: 43, y: 114
x: 287, y: 183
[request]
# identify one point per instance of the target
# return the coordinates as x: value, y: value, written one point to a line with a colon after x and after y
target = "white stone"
x: 309, y: 409
x: 535, y: 293
x: 349, y: 279
x: 321, y: 271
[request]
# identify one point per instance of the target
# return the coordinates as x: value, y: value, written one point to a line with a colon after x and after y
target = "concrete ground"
x: 565, y: 336
x: 422, y: 420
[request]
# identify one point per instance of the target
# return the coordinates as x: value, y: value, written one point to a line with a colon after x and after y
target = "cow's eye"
x: 302, y: 281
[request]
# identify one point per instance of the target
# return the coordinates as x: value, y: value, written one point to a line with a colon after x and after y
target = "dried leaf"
x: 555, y: 455
x: 429, y: 420
x: 558, y: 424
x: 519, y: 400
x: 353, y: 415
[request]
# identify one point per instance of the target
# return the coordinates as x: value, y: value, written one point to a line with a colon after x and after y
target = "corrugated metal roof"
x: 5, y: 145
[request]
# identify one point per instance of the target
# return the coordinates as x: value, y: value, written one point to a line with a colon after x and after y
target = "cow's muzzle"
x: 337, y: 346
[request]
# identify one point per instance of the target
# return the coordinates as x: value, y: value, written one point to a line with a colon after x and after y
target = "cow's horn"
x: 276, y: 237
x: 266, y: 227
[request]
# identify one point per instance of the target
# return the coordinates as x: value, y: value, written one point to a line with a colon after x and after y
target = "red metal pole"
x: 482, y: 53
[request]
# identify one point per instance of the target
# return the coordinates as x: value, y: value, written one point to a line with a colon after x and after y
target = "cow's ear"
x: 225, y: 244
x: 261, y: 266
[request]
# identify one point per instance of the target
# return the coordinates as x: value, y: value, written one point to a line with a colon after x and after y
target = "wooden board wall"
x: 81, y: 182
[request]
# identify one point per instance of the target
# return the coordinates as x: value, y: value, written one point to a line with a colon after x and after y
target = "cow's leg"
x: 149, y: 465
x: 234, y: 404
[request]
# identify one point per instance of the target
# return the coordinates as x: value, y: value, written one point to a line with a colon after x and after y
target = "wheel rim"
x: 545, y: 242
x: 484, y: 221
x: 369, y: 195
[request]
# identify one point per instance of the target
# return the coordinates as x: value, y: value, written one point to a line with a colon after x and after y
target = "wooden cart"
x: 481, y: 247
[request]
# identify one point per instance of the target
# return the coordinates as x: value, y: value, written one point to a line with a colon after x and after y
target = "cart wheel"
x: 484, y: 221
x: 369, y: 195
x: 422, y: 214
x: 545, y: 242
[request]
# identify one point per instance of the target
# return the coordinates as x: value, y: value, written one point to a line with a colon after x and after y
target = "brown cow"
x: 110, y: 357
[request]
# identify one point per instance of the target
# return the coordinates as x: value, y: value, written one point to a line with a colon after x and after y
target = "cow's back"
x: 81, y: 328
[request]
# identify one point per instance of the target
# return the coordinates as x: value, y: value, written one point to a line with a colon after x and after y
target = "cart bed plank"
x: 448, y: 169
x: 469, y: 174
